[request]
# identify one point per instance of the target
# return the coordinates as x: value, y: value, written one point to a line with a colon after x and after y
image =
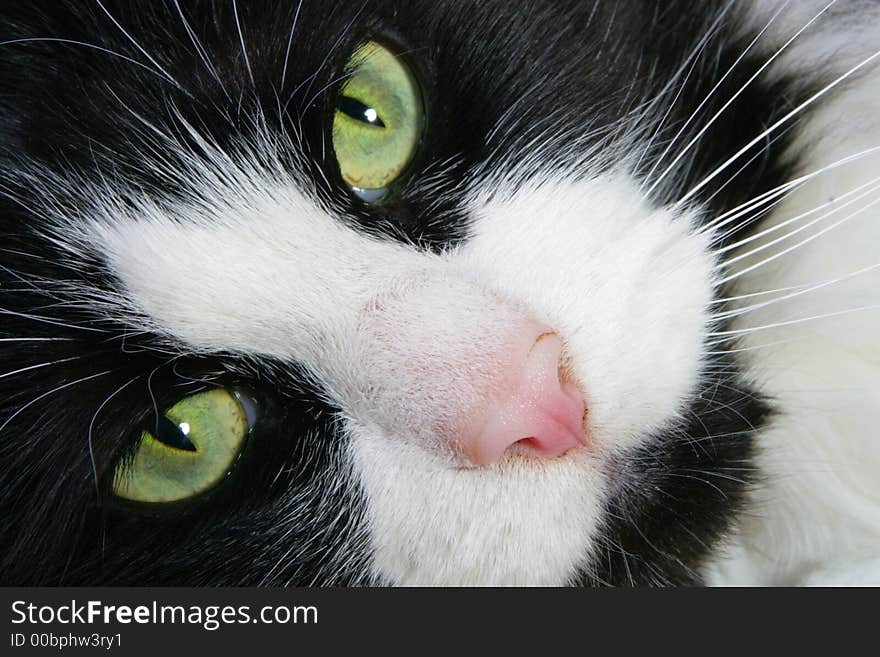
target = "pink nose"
x: 537, y: 413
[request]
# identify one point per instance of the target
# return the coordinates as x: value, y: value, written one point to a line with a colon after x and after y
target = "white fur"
x: 815, y: 518
x: 838, y: 32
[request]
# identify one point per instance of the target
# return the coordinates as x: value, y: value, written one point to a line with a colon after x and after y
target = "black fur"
x: 577, y: 74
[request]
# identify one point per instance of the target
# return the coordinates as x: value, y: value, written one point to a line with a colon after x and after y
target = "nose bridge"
x: 423, y: 351
x: 445, y: 364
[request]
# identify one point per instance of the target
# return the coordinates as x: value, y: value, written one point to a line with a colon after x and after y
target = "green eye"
x: 190, y: 450
x: 378, y: 121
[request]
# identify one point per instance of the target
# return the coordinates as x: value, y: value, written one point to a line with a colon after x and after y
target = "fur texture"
x: 677, y: 190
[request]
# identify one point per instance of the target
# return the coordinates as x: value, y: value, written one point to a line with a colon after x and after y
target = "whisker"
x: 740, y: 210
x: 36, y: 340
x: 760, y: 153
x: 762, y: 293
x: 289, y: 42
x: 693, y: 59
x: 200, y: 49
x: 327, y: 86
x: 742, y: 311
x: 712, y: 91
x: 836, y: 201
x: 153, y: 396
x: 41, y: 365
x: 739, y: 350
x: 797, y: 110
x: 311, y: 78
x: 791, y: 322
x: 247, y: 62
x: 134, y: 42
x: 87, y: 45
x: 51, y: 392
x: 46, y: 320
x: 798, y: 245
x: 91, y: 429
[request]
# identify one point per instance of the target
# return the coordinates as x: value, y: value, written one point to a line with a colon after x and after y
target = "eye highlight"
x: 190, y: 450
x: 378, y: 122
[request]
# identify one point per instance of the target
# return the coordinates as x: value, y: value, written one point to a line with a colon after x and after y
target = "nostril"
x: 538, y: 411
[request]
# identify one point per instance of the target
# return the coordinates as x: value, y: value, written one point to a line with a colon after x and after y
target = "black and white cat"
x: 439, y: 292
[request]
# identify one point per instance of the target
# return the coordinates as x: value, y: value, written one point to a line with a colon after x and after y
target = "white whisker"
x: 36, y: 339
x: 836, y: 204
x: 134, y: 42
x: 775, y: 126
x: 791, y: 322
x: 739, y: 350
x: 22, y: 409
x: 247, y: 62
x: 289, y: 43
x: 690, y: 63
x: 46, y: 320
x: 92, y: 427
x: 744, y: 167
x: 765, y: 197
x: 88, y: 45
x: 311, y: 78
x: 762, y: 293
x: 712, y: 91
x: 200, y: 49
x: 41, y: 365
x: 742, y: 311
x: 798, y: 245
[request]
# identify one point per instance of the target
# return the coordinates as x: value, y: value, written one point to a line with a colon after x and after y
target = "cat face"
x: 400, y: 293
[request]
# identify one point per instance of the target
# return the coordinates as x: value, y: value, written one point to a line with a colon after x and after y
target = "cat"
x: 439, y: 293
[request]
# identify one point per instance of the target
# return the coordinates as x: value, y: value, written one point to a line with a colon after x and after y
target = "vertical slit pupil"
x: 172, y: 435
x: 359, y: 112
